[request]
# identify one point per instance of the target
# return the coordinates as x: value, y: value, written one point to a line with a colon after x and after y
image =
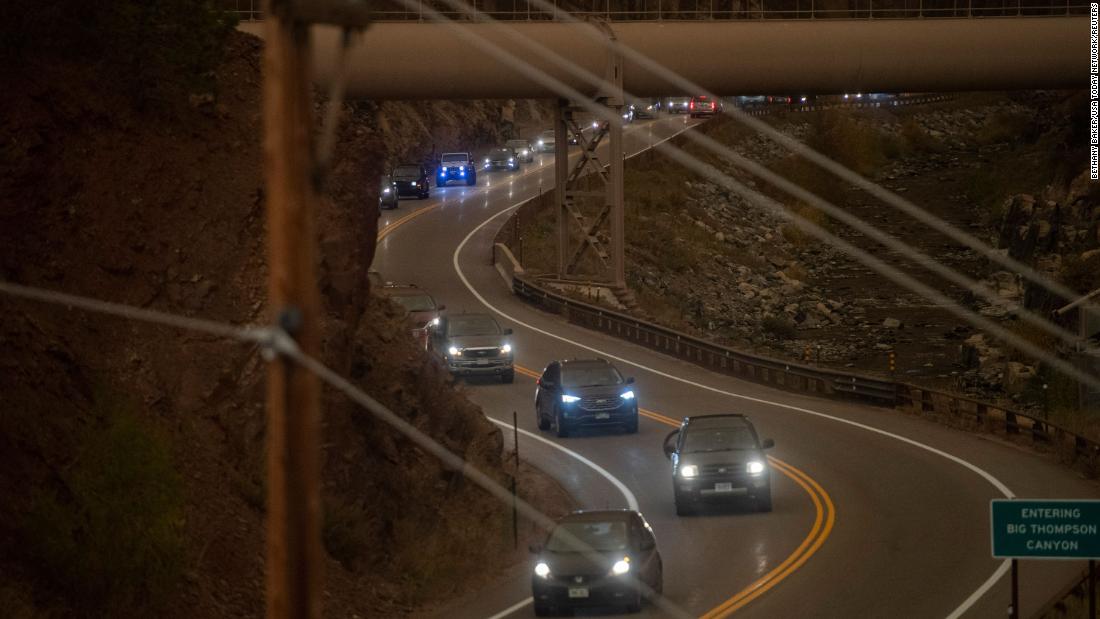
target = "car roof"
x: 394, y: 290
x: 597, y: 515
x: 584, y: 362
x: 521, y: 140
x: 717, y: 420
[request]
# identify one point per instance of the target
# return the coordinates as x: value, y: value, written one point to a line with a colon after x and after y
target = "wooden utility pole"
x: 294, y: 560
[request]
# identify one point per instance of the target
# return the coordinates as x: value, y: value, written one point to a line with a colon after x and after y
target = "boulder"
x: 891, y: 323
x: 1016, y: 376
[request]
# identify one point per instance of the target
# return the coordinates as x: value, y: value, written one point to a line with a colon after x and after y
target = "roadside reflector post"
x: 515, y: 438
x: 1092, y: 589
x: 1014, y: 605
x: 515, y: 517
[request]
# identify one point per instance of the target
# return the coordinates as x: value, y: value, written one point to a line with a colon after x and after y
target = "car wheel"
x: 764, y: 501
x: 508, y: 377
x: 544, y: 610
x: 632, y: 425
x: 542, y: 422
x: 559, y: 425
x: 683, y: 505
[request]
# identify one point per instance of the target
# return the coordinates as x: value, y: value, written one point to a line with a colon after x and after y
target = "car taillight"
x: 692, y: 105
x: 538, y: 382
x: 712, y: 105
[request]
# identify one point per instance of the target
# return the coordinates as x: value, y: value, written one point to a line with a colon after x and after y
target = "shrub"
x: 111, y: 539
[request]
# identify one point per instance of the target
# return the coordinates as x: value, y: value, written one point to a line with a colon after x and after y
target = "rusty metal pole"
x: 294, y: 560
x: 561, y: 175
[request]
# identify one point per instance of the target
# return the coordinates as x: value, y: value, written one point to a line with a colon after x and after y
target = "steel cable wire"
x: 760, y: 200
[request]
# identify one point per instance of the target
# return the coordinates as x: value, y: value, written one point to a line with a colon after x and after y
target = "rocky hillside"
x: 131, y: 456
x: 703, y: 260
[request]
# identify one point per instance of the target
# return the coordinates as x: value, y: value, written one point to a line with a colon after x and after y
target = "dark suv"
x: 597, y: 558
x: 589, y: 392
x: 703, y: 105
x: 456, y: 167
x: 412, y: 179
x: 475, y: 345
x: 717, y: 457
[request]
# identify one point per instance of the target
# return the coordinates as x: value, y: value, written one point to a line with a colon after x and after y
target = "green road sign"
x: 1045, y: 529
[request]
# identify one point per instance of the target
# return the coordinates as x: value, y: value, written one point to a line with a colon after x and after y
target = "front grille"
x: 721, y: 469
x: 480, y: 353
x: 605, y: 403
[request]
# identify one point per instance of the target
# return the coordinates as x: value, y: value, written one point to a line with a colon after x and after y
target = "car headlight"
x: 454, y: 352
x: 569, y: 399
x: 756, y: 467
x: 386, y: 190
x: 628, y: 395
x: 526, y: 152
x: 461, y: 168
x: 486, y: 161
x: 541, y: 143
x: 507, y: 348
x: 511, y: 160
x: 413, y: 183
x: 434, y: 322
x: 688, y: 471
x: 542, y: 570
x: 621, y: 566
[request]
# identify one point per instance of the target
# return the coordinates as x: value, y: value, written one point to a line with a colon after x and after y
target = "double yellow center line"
x: 824, y: 519
x: 825, y: 511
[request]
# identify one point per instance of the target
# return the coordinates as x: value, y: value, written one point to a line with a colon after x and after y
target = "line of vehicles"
x: 598, y: 558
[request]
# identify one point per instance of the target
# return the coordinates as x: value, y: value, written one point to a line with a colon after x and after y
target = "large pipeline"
x: 431, y: 61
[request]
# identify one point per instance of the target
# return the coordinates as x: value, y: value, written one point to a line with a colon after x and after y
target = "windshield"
x: 599, y: 536
x: 719, y: 438
x: 472, y: 325
x: 500, y: 152
x: 386, y: 182
x: 520, y: 144
x: 454, y: 158
x: 407, y: 170
x: 415, y: 303
x: 589, y: 375
x: 547, y: 135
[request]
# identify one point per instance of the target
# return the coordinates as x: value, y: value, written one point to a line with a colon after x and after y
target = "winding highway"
x: 876, y: 513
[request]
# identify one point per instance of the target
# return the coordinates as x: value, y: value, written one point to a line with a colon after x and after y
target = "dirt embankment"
x: 131, y: 456
x: 703, y: 260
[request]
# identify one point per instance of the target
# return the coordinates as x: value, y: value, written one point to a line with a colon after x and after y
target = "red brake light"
x: 538, y: 381
x: 692, y: 105
x: 712, y: 105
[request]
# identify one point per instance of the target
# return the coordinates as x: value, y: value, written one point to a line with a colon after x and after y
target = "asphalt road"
x: 875, y: 513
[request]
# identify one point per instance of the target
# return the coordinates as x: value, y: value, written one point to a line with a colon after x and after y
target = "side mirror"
x: 670, y: 443
x: 507, y: 332
x: 535, y: 548
x: 630, y: 380
x: 647, y: 543
x: 768, y: 443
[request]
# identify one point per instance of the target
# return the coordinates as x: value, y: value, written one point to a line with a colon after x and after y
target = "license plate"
x: 578, y: 592
x: 603, y: 415
x: 483, y: 362
x: 724, y: 486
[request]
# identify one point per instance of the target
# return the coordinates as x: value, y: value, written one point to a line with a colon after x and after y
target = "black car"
x: 718, y: 457
x: 647, y: 108
x: 475, y: 345
x: 387, y: 194
x: 501, y: 158
x: 584, y: 393
x: 596, y: 559
x: 412, y: 179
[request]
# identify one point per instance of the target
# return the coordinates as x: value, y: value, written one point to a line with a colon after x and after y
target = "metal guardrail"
x: 765, y: 109
x: 951, y: 408
x: 705, y: 10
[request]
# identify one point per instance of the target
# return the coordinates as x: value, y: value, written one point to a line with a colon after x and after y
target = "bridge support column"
x: 590, y: 191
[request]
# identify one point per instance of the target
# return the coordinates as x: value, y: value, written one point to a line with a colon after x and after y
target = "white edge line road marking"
x: 513, y: 608
x: 996, y: 483
x: 631, y: 501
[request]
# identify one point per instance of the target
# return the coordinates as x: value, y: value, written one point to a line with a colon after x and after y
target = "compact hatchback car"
x: 605, y: 558
x: 475, y: 345
x: 501, y: 159
x: 718, y: 457
x: 421, y: 308
x: 584, y: 393
x: 523, y: 150
x: 703, y: 105
x: 412, y: 179
x: 387, y: 194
